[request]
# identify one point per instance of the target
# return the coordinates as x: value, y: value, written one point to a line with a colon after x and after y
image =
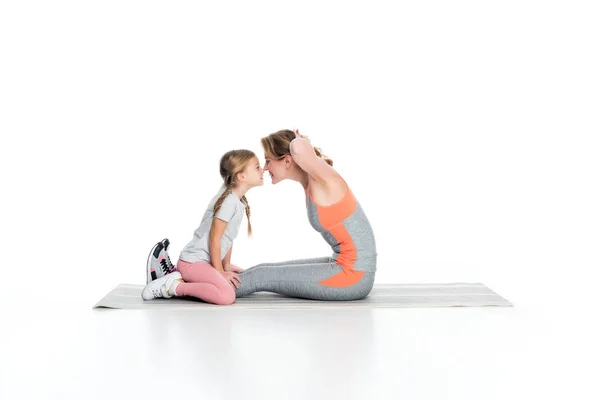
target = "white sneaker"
x: 159, y: 263
x: 151, y: 263
x: 160, y: 287
x: 166, y: 243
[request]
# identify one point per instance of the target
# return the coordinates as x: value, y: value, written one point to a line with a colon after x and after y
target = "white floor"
x: 526, y: 352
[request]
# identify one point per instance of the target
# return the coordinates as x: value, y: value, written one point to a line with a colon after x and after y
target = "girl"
x: 204, y: 269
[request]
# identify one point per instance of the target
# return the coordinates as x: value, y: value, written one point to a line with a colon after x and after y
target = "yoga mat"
x: 409, y: 295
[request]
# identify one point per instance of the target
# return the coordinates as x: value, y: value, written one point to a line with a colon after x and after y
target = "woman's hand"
x: 232, y: 278
x: 298, y: 135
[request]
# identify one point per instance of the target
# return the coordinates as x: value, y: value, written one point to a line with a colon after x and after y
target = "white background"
x: 467, y: 130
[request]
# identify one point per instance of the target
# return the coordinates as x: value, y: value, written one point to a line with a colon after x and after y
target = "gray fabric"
x: 359, y: 229
x: 382, y: 296
x: 318, y: 260
x: 301, y: 279
x: 232, y: 211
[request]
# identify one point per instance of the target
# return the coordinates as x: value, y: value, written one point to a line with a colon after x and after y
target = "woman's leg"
x: 311, y: 280
x: 318, y: 260
x: 202, y: 281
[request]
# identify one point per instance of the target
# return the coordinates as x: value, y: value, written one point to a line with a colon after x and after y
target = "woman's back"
x: 345, y: 227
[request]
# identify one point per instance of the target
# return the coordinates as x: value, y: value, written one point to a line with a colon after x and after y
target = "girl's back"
x: 232, y: 211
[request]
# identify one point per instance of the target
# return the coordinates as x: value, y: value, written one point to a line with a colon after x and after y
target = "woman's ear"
x: 288, y: 160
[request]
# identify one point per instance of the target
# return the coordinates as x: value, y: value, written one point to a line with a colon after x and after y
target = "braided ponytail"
x: 245, y: 201
x: 221, y: 199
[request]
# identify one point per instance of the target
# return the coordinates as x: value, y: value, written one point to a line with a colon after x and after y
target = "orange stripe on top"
x: 332, y: 219
x: 330, y: 216
x: 347, y: 255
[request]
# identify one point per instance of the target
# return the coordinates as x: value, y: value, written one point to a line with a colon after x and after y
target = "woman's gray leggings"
x: 304, y: 279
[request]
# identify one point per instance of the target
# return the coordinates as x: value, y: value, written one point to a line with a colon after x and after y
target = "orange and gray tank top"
x: 346, y: 228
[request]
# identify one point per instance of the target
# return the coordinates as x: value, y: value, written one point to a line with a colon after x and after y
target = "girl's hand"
x: 232, y: 268
x: 236, y: 269
x: 232, y: 278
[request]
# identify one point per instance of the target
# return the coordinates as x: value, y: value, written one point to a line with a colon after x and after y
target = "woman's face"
x: 276, y: 168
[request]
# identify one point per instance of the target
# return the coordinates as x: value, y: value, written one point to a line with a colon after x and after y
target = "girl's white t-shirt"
x: 232, y: 211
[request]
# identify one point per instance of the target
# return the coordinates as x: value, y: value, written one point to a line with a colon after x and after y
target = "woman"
x: 332, y: 211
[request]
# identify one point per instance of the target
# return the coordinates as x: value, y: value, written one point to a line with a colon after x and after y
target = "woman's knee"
x: 365, y: 287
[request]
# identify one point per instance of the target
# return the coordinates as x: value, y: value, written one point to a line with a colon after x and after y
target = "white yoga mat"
x: 382, y: 296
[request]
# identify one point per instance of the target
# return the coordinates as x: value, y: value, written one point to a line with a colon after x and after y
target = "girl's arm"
x: 227, y: 260
x: 214, y: 243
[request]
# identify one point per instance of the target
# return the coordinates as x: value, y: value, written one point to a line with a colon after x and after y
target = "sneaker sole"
x: 150, y: 273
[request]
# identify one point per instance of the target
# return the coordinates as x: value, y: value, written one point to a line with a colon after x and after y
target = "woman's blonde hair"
x: 232, y: 163
x: 277, y: 145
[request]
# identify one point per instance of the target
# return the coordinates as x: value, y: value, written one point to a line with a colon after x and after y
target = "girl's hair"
x: 277, y: 145
x: 232, y: 163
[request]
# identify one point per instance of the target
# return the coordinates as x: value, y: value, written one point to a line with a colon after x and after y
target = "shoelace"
x: 169, y: 263
x: 156, y: 292
x: 165, y: 266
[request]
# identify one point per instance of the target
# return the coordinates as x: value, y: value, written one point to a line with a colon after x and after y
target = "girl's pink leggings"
x: 203, y: 281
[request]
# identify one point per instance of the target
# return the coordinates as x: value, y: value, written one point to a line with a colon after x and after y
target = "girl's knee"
x: 227, y: 297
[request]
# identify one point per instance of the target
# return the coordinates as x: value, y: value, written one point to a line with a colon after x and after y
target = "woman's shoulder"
x: 330, y: 182
x: 328, y: 192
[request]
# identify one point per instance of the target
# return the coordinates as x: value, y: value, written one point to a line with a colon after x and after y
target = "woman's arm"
x: 214, y: 243
x: 304, y: 155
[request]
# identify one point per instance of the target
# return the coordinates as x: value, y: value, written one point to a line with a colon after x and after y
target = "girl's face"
x: 254, y: 173
x: 276, y: 169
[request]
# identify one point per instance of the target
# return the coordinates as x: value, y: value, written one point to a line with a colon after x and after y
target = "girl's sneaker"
x: 169, y: 265
x: 159, y: 264
x: 159, y: 288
